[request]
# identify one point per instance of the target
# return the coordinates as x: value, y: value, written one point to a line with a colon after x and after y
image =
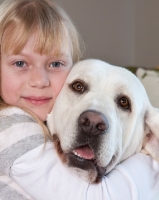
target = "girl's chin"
x: 41, y: 117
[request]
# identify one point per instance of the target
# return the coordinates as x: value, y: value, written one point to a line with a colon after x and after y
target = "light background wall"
x: 122, y: 32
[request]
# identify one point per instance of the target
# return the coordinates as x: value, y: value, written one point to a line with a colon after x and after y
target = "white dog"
x: 101, y: 117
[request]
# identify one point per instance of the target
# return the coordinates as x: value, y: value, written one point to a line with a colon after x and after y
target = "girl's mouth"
x: 37, y: 100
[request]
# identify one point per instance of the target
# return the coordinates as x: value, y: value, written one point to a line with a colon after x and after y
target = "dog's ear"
x: 151, y: 140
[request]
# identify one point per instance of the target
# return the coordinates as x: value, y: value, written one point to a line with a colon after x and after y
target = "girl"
x: 39, y: 45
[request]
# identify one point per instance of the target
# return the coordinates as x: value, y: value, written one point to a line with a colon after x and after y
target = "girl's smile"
x: 37, y: 101
x: 32, y: 80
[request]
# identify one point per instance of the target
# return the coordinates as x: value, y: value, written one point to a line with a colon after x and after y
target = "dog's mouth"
x: 82, y: 157
x: 84, y: 152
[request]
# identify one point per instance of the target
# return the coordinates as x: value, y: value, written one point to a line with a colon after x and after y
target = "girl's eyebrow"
x: 14, y: 55
x: 64, y: 54
x: 51, y: 56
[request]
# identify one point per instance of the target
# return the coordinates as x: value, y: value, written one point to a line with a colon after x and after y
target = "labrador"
x: 101, y: 117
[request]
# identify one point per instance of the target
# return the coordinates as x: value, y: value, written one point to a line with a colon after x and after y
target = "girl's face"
x: 32, y: 80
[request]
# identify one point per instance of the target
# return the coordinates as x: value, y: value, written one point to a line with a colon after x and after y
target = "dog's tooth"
x: 77, y: 154
x: 74, y: 152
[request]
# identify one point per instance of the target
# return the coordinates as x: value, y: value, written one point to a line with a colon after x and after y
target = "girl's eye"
x: 20, y: 64
x: 56, y: 64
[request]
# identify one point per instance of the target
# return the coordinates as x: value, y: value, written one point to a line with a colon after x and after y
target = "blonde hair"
x: 20, y: 18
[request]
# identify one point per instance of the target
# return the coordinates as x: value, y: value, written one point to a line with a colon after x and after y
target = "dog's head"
x: 101, y: 117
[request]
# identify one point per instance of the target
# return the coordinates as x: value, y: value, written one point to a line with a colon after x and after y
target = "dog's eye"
x: 124, y: 103
x: 78, y: 87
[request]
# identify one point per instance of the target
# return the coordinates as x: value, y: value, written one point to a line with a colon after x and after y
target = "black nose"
x: 93, y: 123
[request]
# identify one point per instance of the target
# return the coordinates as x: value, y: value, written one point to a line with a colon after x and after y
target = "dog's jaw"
x: 86, y: 163
x: 87, y: 168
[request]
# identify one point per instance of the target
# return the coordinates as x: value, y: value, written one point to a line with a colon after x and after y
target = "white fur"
x: 127, y: 128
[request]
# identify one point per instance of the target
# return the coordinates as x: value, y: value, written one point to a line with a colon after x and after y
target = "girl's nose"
x: 39, y: 78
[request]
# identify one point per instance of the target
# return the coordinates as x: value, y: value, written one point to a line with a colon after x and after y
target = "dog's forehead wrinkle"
x: 126, y: 79
x: 85, y: 75
x: 92, y: 66
x: 93, y: 73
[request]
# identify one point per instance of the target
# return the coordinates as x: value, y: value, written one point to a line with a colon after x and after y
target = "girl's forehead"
x: 61, y: 48
x: 37, y: 41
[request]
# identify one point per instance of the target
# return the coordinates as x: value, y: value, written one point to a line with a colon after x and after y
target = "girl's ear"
x: 151, y: 140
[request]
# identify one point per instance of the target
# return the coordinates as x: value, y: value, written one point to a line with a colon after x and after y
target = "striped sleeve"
x: 12, y: 191
x: 19, y: 134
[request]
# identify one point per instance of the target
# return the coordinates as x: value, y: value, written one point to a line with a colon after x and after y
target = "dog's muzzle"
x: 83, y: 154
x: 91, y: 127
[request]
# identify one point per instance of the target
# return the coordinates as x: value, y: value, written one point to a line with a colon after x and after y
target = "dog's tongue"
x: 85, y: 152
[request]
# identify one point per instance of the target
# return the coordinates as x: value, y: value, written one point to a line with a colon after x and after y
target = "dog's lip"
x: 86, y: 164
x: 85, y: 152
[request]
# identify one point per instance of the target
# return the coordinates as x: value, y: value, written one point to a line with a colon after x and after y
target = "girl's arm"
x: 38, y: 170
x: 14, y: 137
